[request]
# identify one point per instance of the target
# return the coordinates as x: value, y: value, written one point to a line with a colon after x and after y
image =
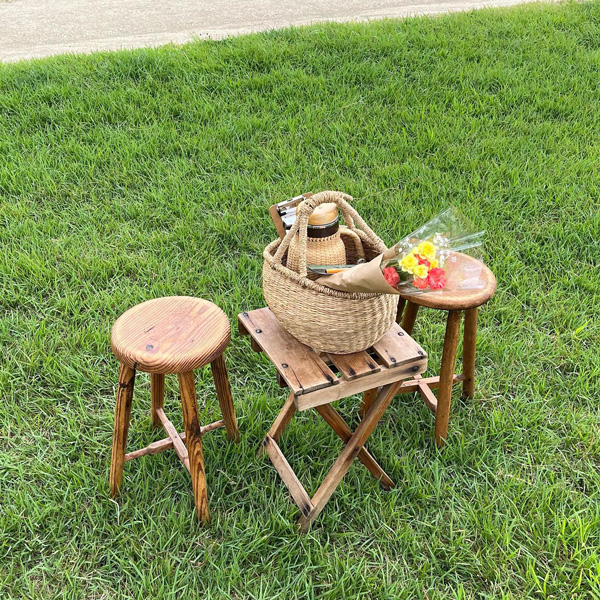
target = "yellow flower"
x: 426, y: 250
x: 409, y: 262
x: 433, y: 263
x: 420, y: 271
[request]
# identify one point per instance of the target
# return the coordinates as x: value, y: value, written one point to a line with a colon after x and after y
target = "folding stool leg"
x: 349, y: 453
x: 281, y: 422
x: 337, y: 423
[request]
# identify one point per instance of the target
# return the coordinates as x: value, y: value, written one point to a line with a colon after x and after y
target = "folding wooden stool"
x: 316, y: 380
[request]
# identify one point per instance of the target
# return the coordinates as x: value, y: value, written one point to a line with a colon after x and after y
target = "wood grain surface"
x: 312, y: 381
x: 301, y: 368
x: 121, y: 428
x: 397, y: 348
x: 176, y: 334
x: 221, y: 379
x: 444, y: 397
x: 353, y: 366
x: 193, y: 436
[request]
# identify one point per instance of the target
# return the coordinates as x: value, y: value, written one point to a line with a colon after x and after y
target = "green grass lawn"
x: 127, y: 176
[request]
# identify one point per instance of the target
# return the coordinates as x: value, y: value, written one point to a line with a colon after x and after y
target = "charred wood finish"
x: 172, y: 335
x: 320, y: 379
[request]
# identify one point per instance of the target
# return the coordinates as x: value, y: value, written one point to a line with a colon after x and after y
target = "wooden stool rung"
x: 296, y: 489
x: 154, y: 448
x: 167, y: 443
x: 433, y: 383
x: 212, y: 426
x: 178, y: 444
x: 428, y: 397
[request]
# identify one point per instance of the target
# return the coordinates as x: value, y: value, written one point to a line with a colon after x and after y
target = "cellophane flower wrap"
x: 431, y: 259
x: 426, y: 261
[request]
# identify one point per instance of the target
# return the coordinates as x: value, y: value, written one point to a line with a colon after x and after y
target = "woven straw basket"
x: 320, y: 317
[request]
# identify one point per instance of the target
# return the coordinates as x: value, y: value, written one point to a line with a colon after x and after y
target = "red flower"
x: 437, y: 279
x: 420, y: 283
x: 391, y: 276
x: 423, y: 261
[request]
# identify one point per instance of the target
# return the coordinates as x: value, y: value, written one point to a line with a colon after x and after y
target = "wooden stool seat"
x: 170, y: 335
x: 483, y: 288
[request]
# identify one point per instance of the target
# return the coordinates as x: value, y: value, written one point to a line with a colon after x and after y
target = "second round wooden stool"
x: 172, y: 335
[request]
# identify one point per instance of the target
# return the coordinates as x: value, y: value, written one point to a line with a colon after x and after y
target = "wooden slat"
x: 301, y: 367
x: 299, y: 494
x: 353, y: 366
x: 178, y: 445
x: 356, y: 386
x: 397, y: 348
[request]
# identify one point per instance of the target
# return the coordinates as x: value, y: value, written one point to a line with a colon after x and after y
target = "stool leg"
x: 122, y: 415
x: 193, y: 440
x: 400, y: 309
x: 157, y: 394
x: 469, y: 343
x: 442, y: 413
x: 410, y: 314
x: 368, y: 398
x: 219, y: 373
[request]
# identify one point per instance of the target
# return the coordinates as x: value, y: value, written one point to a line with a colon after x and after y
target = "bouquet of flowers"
x: 424, y: 259
x: 430, y: 259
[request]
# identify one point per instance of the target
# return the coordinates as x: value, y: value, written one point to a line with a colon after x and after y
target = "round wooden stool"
x: 455, y: 302
x: 171, y: 335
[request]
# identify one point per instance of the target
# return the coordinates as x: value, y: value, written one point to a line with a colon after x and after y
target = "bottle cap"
x: 324, y: 214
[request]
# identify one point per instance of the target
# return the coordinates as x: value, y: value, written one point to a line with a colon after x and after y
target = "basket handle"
x: 303, y: 212
x: 360, y: 251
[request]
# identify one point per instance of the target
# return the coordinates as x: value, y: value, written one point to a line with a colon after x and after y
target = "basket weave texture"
x: 324, y: 251
x: 322, y: 318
